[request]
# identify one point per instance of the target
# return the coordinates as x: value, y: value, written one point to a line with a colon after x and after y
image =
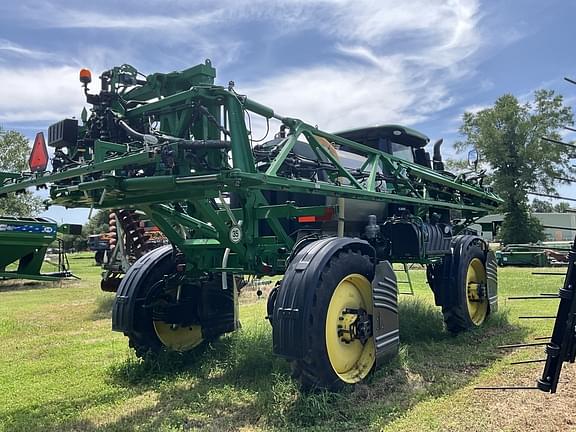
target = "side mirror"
x: 473, y: 158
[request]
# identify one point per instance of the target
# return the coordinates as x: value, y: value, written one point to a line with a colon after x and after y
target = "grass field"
x: 62, y: 369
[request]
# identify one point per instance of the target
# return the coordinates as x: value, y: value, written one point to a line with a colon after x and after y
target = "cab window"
x: 351, y: 160
x: 402, y: 151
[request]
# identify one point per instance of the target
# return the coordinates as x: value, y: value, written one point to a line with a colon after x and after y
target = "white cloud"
x: 370, y: 22
x: 430, y: 21
x: 73, y: 18
x: 337, y: 98
x: 45, y: 94
x: 396, y: 61
x: 474, y: 109
x: 9, y: 47
x: 376, y: 83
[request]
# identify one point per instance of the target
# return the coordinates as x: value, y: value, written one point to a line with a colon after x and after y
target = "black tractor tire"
x: 151, y: 270
x: 315, y: 370
x: 99, y: 257
x: 214, y: 306
x: 458, y: 317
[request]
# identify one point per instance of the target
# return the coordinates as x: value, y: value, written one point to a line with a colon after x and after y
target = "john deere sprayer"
x: 330, y: 212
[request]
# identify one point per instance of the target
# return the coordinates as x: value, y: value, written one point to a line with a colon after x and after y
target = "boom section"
x: 180, y: 149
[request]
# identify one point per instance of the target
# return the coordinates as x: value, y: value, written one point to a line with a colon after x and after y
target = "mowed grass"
x: 63, y: 369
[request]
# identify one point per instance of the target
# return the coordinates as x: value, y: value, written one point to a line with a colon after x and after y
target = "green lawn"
x: 62, y: 369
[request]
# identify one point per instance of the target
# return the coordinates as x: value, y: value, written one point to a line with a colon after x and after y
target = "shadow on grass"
x: 27, y: 285
x: 103, y: 310
x: 236, y: 382
x: 54, y: 416
x: 82, y: 257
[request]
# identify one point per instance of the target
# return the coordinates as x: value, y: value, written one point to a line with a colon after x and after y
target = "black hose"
x: 204, y: 144
x: 132, y: 132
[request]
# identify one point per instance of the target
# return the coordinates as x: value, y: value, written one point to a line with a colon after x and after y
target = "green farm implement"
x: 328, y: 211
x: 533, y: 255
x: 522, y: 255
x: 24, y: 243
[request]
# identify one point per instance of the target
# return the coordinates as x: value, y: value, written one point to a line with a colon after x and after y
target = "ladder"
x: 406, y: 281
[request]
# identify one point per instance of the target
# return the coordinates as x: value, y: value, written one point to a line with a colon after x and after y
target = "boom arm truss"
x: 176, y: 146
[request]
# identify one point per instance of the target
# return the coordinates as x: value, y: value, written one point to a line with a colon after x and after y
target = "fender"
x: 124, y: 308
x: 492, y: 281
x: 385, y: 324
x: 296, y: 292
x: 446, y: 273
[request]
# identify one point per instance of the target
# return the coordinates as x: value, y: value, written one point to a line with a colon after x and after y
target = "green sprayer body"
x: 177, y: 147
x: 329, y: 211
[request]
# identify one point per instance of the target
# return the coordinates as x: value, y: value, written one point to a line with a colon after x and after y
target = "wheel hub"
x: 349, y: 342
x: 476, y: 291
x: 356, y: 324
x: 178, y: 338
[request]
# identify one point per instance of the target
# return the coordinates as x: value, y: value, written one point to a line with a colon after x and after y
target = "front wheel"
x: 149, y: 334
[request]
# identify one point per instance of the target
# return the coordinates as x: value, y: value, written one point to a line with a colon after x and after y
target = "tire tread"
x: 314, y: 371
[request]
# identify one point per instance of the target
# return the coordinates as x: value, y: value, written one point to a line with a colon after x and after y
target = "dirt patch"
x: 526, y: 411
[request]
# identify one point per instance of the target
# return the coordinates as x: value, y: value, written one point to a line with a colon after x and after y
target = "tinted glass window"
x: 402, y: 151
x: 351, y: 160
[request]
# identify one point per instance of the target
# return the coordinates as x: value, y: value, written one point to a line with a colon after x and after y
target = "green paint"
x: 177, y: 182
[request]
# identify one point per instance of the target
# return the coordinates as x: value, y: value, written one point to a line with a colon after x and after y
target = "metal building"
x: 552, y: 221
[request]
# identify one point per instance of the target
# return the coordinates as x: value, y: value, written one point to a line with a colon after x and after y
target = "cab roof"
x: 396, y: 133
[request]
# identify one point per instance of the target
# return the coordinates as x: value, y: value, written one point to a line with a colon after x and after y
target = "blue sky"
x: 334, y: 63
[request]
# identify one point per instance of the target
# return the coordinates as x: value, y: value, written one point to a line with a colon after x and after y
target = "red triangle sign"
x: 39, y: 157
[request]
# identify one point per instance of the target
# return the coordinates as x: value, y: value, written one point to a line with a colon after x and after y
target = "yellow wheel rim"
x: 476, y: 279
x: 178, y: 338
x: 350, y: 359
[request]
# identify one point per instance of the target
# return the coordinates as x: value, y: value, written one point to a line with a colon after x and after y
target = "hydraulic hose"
x: 224, y: 264
x: 204, y: 144
x: 147, y: 138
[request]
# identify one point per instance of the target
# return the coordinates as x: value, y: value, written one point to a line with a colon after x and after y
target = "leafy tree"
x: 97, y: 224
x: 74, y: 242
x: 562, y: 207
x: 541, y: 206
x: 508, y: 137
x: 14, y: 153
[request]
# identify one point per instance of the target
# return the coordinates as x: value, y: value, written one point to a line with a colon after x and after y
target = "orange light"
x: 38, y: 160
x: 328, y: 215
x: 307, y: 219
x: 85, y: 76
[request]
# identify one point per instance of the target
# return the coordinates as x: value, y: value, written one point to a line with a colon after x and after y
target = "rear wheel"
x: 170, y: 316
x: 341, y: 347
x: 471, y: 308
x: 154, y: 335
